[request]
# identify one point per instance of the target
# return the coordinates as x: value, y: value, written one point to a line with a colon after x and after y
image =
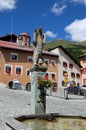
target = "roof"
x: 67, y: 54
x: 11, y: 45
x: 82, y: 55
x: 24, y: 34
x: 9, y: 37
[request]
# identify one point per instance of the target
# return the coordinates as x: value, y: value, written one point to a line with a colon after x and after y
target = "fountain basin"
x: 47, y: 122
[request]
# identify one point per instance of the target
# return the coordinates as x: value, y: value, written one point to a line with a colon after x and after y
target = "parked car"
x: 14, y: 84
x: 77, y: 90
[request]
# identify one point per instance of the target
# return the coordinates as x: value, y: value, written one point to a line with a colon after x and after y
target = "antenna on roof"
x: 11, y: 27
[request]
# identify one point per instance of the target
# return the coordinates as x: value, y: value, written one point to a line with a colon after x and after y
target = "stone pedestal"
x: 37, y: 107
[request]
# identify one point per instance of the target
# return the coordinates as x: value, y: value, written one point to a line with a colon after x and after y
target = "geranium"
x: 43, y: 83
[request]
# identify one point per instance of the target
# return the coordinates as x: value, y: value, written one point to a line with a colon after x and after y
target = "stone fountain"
x: 38, y: 97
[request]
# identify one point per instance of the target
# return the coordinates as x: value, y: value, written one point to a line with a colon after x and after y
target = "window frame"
x: 70, y: 65
x: 46, y: 61
x: 65, y: 65
x: 30, y: 57
x: 46, y: 78
x: 26, y: 72
x: 53, y: 62
x: 72, y: 75
x: 54, y: 74
x: 11, y: 56
x: 5, y: 69
x: 19, y: 67
x: 54, y: 87
x: 78, y: 75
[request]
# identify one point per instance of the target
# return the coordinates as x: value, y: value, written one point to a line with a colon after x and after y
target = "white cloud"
x: 51, y: 34
x: 77, y: 30
x: 7, y: 4
x: 58, y: 10
x: 79, y: 1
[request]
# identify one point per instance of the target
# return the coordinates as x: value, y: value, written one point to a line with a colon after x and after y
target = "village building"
x: 68, y: 69
x: 16, y: 59
x: 83, y: 69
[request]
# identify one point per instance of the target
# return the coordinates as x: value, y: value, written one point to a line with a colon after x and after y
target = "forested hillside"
x: 74, y: 48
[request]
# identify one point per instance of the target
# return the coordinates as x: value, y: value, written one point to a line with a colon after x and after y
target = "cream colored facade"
x: 68, y: 68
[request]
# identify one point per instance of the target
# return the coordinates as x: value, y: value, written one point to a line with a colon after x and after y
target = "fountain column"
x: 38, y: 96
x: 37, y: 106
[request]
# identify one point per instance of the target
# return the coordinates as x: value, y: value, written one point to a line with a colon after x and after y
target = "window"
x: 70, y: 66
x: 83, y: 70
x: 30, y: 59
x: 27, y: 72
x: 20, y: 38
x: 77, y: 75
x: 18, y: 70
x: 25, y: 39
x: 64, y: 64
x: 14, y: 57
x: 83, y: 59
x: 53, y: 62
x: 46, y: 76
x: 84, y: 81
x: 46, y: 61
x: 8, y: 69
x: 53, y: 75
x: 73, y: 75
x: 65, y: 73
x: 54, y: 87
x: 25, y: 44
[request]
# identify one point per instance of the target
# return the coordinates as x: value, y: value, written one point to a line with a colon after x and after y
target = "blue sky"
x: 60, y: 19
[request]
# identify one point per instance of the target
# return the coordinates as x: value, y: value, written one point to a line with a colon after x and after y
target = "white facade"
x: 65, y: 57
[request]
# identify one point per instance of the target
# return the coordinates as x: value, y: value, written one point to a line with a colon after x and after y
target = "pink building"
x: 83, y: 69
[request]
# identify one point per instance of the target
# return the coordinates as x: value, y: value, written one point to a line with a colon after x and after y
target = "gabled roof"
x: 11, y: 45
x: 67, y: 54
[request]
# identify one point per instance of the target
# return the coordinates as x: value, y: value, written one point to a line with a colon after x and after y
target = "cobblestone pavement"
x: 17, y: 102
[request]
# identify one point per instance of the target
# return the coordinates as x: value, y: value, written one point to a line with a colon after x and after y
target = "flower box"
x: 43, y: 83
x: 73, y: 76
x: 8, y: 71
x: 18, y: 72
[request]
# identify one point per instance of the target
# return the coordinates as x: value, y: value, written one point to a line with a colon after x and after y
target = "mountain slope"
x: 74, y: 48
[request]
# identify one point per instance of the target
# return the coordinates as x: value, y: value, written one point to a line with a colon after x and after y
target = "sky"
x: 60, y: 19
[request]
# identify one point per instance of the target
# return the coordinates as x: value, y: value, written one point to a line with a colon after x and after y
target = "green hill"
x: 74, y: 48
